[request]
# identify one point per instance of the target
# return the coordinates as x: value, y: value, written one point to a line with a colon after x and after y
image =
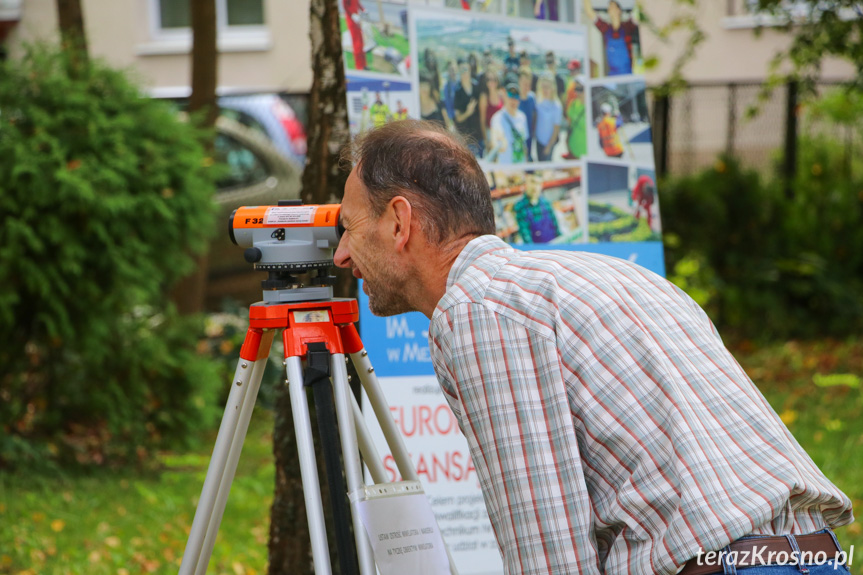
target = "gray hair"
x: 433, y: 169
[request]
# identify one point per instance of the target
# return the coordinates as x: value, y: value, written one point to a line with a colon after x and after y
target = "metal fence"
x: 694, y: 126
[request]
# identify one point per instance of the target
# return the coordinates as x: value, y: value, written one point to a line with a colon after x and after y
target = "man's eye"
x: 341, y: 229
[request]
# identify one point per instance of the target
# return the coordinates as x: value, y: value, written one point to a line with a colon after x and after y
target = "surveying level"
x: 285, y: 240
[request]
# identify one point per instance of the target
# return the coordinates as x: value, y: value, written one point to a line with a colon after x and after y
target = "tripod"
x: 321, y: 332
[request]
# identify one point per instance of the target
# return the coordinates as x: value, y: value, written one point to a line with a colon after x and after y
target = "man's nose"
x: 342, y: 257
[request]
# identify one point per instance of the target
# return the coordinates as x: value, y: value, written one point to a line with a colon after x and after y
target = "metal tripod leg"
x: 353, y: 467
x: 226, y: 452
x: 308, y: 466
x: 393, y: 437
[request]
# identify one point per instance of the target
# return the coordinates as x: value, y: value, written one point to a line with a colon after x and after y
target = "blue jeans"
x: 826, y: 567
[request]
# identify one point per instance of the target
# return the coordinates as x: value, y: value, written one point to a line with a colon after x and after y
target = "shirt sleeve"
x: 514, y: 412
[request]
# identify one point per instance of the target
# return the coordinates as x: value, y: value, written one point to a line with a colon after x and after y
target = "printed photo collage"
x: 556, y: 113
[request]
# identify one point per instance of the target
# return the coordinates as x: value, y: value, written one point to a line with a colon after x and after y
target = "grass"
x: 122, y: 524
x: 817, y: 390
x: 119, y: 524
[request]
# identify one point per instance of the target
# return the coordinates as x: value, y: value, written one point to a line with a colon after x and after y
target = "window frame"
x: 237, y: 38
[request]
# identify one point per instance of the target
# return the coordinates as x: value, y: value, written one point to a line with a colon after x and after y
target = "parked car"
x: 269, y: 114
x: 258, y: 174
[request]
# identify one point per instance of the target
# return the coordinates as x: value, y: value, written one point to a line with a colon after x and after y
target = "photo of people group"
x: 556, y: 113
x: 516, y: 93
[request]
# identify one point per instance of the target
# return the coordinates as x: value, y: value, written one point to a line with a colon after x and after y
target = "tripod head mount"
x: 288, y: 239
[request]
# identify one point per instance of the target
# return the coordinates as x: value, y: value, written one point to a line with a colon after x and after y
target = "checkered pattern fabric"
x: 611, y: 430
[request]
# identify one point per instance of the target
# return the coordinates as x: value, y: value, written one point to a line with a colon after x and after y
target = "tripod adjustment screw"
x: 239, y: 382
x: 371, y: 369
x: 244, y: 365
x: 364, y: 353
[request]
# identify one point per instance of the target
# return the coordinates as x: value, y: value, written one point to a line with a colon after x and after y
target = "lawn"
x: 119, y: 524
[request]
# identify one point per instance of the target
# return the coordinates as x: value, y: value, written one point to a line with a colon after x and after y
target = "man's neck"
x: 434, y: 272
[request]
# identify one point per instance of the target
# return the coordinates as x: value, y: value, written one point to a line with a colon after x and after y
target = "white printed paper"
x: 404, y: 535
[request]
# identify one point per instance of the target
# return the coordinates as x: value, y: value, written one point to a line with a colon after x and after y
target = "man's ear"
x: 402, y: 214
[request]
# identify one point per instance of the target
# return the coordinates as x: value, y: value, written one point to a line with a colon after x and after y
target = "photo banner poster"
x: 557, y: 117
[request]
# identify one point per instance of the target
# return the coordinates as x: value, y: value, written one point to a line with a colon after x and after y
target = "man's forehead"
x: 353, y: 199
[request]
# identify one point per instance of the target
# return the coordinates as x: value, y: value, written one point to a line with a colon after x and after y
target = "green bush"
x: 764, y: 264
x: 104, y: 196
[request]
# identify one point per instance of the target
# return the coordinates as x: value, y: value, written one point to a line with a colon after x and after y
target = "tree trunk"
x: 189, y: 293
x: 74, y: 38
x: 204, y: 61
x: 323, y: 183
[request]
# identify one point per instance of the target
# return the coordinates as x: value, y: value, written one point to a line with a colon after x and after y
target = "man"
x: 609, y: 139
x: 353, y: 8
x: 617, y: 37
x: 537, y: 223
x: 643, y: 196
x: 512, y: 60
x: 449, y: 89
x: 527, y: 104
x: 380, y: 112
x: 509, y: 130
x: 611, y: 430
x: 401, y: 112
x: 574, y: 110
x: 466, y: 104
x: 551, y: 66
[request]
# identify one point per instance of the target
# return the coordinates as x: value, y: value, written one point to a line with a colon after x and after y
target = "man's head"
x: 513, y: 97
x: 412, y: 181
x: 550, y: 60
x: 525, y: 79
x: 464, y: 70
x: 614, y: 12
x: 533, y: 185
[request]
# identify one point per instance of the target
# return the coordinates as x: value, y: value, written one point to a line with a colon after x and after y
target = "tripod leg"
x: 308, y: 466
x: 208, y: 515
x: 353, y: 468
x: 234, y: 453
x: 395, y: 441
x: 382, y: 412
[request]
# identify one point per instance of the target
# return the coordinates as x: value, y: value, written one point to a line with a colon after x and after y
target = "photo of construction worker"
x: 374, y: 37
x: 643, y: 197
x: 619, y: 126
x: 615, y: 44
x: 373, y: 102
x: 539, y: 206
x: 623, y: 205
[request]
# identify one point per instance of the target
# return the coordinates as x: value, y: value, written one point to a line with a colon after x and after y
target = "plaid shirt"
x: 610, y: 428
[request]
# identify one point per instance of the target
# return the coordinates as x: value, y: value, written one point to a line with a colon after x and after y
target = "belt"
x: 757, y: 550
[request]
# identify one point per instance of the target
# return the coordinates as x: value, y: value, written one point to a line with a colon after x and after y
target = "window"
x: 245, y: 168
x: 241, y: 27
x: 175, y: 14
x: 747, y: 14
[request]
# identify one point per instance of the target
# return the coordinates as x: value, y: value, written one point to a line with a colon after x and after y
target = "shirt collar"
x: 475, y: 248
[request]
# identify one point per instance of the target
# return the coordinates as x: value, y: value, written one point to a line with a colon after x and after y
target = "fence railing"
x: 692, y: 127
